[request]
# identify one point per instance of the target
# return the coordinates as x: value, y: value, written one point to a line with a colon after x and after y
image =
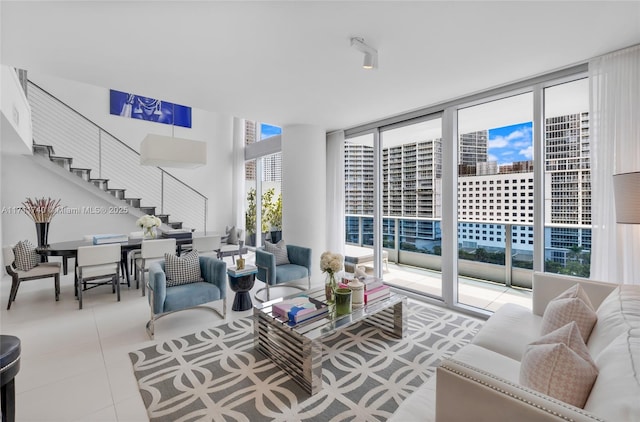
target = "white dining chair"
x: 207, y: 245
x: 95, y: 263
x: 134, y: 254
x: 152, y: 251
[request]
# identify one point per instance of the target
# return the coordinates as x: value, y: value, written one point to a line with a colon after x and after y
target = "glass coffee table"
x: 297, y: 349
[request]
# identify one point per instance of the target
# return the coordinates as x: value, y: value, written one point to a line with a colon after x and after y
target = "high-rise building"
x: 488, y: 194
x: 568, y: 179
x: 272, y: 168
x: 473, y: 148
x: 249, y: 138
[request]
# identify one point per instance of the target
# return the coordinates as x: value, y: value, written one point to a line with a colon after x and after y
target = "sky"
x: 267, y: 131
x: 512, y: 143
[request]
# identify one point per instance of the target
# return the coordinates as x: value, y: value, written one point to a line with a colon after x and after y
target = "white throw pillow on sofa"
x: 615, y: 396
x: 571, y: 305
x: 559, y: 365
x: 618, y: 312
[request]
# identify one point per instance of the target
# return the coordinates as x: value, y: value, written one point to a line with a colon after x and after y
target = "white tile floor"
x: 75, y: 365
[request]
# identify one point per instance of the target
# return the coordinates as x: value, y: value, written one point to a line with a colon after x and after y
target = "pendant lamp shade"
x: 627, y: 197
x: 168, y: 151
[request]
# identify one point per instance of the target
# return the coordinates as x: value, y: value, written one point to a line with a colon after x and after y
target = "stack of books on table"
x: 176, y: 234
x: 374, y: 295
x: 101, y: 239
x: 374, y: 289
x: 298, y: 309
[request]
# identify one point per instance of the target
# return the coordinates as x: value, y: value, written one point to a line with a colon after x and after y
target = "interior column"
x: 304, y: 190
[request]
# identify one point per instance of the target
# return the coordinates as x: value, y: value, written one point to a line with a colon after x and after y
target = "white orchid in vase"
x: 148, y: 223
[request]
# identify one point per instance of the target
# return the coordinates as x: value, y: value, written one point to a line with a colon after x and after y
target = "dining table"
x: 69, y: 249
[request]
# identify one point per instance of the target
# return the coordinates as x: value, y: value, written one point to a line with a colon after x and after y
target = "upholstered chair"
x: 165, y: 299
x: 273, y: 273
x: 41, y: 270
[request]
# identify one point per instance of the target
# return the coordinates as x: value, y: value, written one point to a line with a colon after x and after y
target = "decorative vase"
x: 343, y: 301
x: 330, y: 287
x: 42, y: 230
x: 149, y: 232
x: 357, y: 293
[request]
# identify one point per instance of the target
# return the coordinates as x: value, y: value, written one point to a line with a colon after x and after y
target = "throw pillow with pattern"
x: 571, y: 305
x: 232, y: 235
x: 26, y: 256
x: 559, y: 365
x: 183, y: 269
x: 279, y: 251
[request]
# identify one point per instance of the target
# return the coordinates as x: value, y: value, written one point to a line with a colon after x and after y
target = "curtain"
x: 335, y: 192
x: 615, y: 148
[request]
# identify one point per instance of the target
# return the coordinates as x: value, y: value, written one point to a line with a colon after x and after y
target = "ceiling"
x: 291, y: 62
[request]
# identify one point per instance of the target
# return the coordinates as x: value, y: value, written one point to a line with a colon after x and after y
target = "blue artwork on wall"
x: 138, y: 107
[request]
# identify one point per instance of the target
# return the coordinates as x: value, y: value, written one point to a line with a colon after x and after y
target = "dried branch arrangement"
x: 41, y: 210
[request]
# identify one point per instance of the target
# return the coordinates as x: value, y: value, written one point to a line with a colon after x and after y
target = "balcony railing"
x: 505, y: 255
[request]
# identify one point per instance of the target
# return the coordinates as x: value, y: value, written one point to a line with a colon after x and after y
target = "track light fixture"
x: 370, y: 53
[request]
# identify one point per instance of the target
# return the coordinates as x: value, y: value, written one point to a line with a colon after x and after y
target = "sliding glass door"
x: 495, y: 199
x: 517, y: 167
x: 411, y: 203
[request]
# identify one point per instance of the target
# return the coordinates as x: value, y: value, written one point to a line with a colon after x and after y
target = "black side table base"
x: 242, y: 302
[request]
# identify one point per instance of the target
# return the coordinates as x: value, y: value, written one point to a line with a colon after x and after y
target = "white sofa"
x: 481, y: 381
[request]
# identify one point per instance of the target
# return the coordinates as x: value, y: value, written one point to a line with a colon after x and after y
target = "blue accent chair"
x: 165, y: 300
x: 282, y: 275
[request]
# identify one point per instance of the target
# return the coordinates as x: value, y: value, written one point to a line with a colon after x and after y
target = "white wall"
x: 22, y: 178
x: 304, y: 189
x: 212, y: 180
x: 16, y: 114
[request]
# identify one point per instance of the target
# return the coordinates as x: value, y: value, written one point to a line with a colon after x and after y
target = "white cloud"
x: 491, y: 157
x: 527, y: 152
x: 498, y: 142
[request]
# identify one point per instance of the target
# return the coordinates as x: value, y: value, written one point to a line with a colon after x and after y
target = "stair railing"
x: 73, y: 135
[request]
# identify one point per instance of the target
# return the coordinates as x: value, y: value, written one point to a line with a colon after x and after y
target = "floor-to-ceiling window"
x: 358, y: 174
x: 263, y: 187
x: 411, y: 199
x: 567, y: 177
x: 495, y: 194
x: 513, y: 213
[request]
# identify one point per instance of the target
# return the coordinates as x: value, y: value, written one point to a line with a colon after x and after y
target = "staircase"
x: 101, y: 184
x: 102, y: 159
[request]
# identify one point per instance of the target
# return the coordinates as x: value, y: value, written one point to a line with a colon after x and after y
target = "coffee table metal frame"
x: 297, y: 349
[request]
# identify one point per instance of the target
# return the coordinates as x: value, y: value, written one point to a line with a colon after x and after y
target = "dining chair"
x: 152, y: 251
x: 98, y: 262
x: 134, y: 254
x: 207, y: 245
x: 41, y: 270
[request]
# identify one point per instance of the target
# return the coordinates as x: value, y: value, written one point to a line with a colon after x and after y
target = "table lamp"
x: 626, y: 188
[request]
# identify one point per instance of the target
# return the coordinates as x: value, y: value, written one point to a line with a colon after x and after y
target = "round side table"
x: 241, y: 282
x: 9, y: 367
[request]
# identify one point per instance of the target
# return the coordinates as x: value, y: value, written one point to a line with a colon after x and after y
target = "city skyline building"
x: 491, y: 197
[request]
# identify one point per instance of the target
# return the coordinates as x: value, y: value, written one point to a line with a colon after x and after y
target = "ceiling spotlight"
x: 370, y: 53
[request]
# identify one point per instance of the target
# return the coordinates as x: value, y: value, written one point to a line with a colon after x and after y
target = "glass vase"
x: 149, y: 232
x: 330, y: 287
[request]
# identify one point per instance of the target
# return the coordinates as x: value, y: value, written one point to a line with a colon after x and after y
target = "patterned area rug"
x: 217, y: 375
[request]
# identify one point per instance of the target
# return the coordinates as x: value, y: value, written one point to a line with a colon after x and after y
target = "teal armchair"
x: 282, y: 275
x: 165, y: 300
